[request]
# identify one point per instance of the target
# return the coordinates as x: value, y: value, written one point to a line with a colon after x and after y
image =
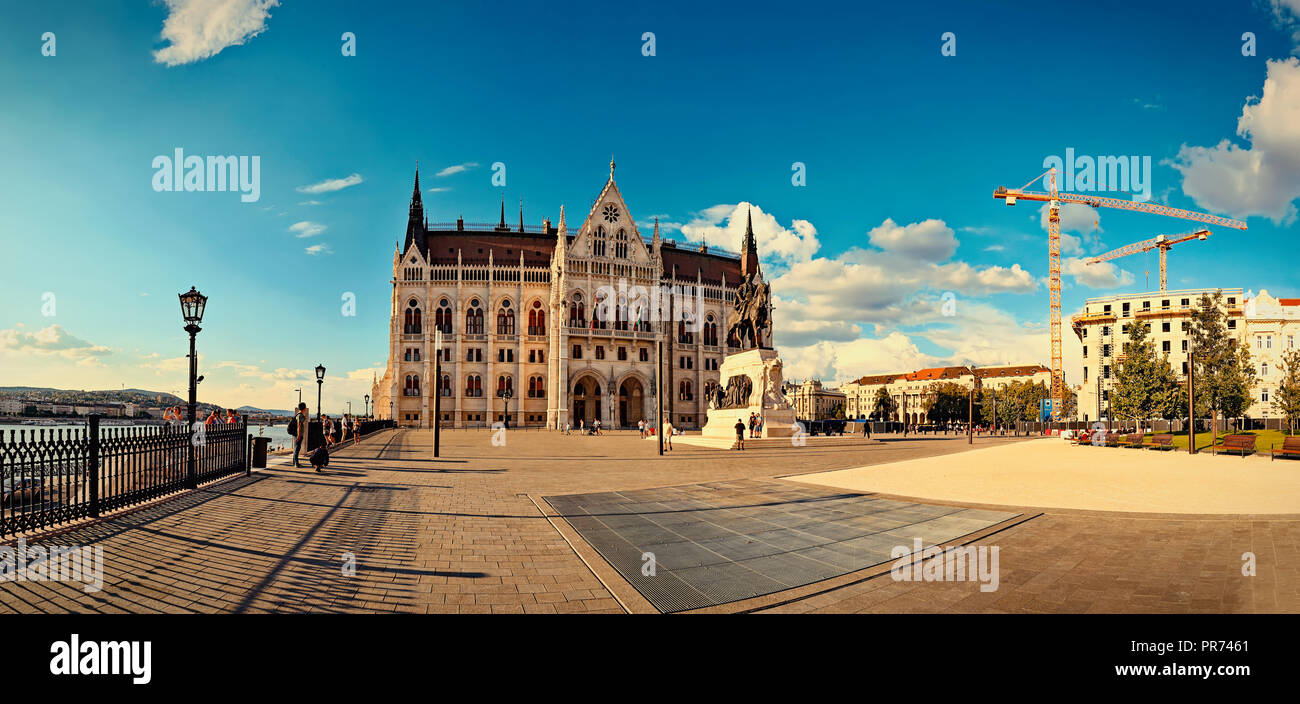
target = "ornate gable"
x: 599, y: 235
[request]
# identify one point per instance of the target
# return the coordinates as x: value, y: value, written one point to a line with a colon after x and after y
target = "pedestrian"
x: 319, y: 458
x: 232, y: 417
x: 640, y: 426
x: 740, y: 433
x: 866, y: 429
x: 751, y: 425
x: 595, y: 428
x: 356, y: 430
x: 758, y: 427
x: 327, y: 429
x: 668, y: 434
x: 582, y: 426
x: 567, y: 427
x: 212, y: 418
x: 345, y: 427
x: 298, y: 428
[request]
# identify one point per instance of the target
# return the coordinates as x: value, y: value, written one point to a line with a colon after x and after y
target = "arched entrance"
x: 631, y: 402
x: 586, y: 401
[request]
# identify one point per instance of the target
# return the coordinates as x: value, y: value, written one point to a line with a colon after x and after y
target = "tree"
x: 1224, y: 373
x: 885, y: 405
x: 948, y: 403
x: 1145, y: 385
x: 1288, y: 394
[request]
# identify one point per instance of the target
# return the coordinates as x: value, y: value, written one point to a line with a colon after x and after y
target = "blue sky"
x: 903, y: 147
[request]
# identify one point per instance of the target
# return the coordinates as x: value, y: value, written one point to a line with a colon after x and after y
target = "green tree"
x: 1225, y: 374
x: 1287, y: 398
x: 1145, y: 384
x: 948, y: 402
x: 885, y: 405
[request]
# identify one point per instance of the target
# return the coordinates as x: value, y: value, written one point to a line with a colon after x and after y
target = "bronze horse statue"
x: 750, y: 318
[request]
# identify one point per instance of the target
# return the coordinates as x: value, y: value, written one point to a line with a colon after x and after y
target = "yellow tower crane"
x: 1161, y: 242
x: 1054, y: 198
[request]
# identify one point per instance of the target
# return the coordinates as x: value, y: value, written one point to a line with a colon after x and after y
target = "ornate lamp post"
x: 320, y: 382
x: 507, y: 394
x: 367, y: 406
x: 193, y: 304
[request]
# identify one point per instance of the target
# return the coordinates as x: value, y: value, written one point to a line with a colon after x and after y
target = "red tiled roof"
x: 1022, y: 370
x: 1289, y: 301
x: 936, y: 373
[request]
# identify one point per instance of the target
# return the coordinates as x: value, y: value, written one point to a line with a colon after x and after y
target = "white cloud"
x: 322, y: 248
x: 440, y: 189
x: 200, y: 29
x: 795, y: 243
x: 310, y: 202
x: 1264, y: 177
x: 330, y: 185
x: 306, y: 228
x: 931, y: 240
x: 456, y: 169
x: 1099, y: 275
x: 52, y: 340
x: 1286, y: 15
x: 1075, y: 217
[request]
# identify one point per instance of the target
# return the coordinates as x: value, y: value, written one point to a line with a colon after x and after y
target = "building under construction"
x: 1269, y: 325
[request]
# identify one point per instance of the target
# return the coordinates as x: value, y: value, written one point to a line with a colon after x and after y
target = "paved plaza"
x: 474, y: 532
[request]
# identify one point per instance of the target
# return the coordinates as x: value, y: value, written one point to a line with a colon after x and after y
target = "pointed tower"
x: 415, y: 222
x: 748, y: 250
x: 521, y: 215
x: 502, y: 226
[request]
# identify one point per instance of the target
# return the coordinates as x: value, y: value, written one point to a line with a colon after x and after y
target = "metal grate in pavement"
x: 725, y: 541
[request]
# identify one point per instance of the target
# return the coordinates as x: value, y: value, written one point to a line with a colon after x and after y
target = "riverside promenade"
x: 387, y: 528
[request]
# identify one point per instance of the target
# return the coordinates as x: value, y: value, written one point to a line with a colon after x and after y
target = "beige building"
x: 911, y: 390
x: 813, y: 402
x: 549, y: 316
x: 1267, y: 324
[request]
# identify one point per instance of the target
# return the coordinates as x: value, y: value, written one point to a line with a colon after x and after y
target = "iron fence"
x: 52, y: 477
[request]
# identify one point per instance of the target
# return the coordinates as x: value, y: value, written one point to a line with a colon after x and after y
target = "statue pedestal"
x: 763, y: 369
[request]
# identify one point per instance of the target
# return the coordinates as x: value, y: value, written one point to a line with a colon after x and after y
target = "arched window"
x: 505, y: 319
x: 536, y: 387
x: 599, y: 312
x: 411, y: 320
x: 710, y: 331
x: 620, y: 244
x: 577, y: 312
x: 473, y: 386
x: 598, y: 242
x: 442, y: 316
x: 537, y: 319
x: 474, y: 319
x: 505, y: 383
x: 412, y: 385
x: 445, y: 387
x: 685, y: 391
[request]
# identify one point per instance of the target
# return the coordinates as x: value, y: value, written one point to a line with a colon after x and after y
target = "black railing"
x: 51, y: 477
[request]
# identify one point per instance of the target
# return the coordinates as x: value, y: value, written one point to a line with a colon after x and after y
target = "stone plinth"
x: 763, y: 368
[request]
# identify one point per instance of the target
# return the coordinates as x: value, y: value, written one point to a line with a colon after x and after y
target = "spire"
x: 521, y: 215
x: 501, y: 226
x: 415, y: 228
x: 561, y: 233
x: 748, y: 249
x: 611, y: 167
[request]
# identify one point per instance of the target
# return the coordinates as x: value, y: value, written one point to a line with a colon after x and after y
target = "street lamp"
x: 507, y: 393
x: 299, y: 397
x: 320, y: 381
x: 192, y: 305
x: 367, y: 407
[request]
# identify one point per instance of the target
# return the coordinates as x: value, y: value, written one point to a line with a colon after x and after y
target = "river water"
x: 280, y: 439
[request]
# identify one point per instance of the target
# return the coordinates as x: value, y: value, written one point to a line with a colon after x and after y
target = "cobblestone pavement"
x: 465, y: 534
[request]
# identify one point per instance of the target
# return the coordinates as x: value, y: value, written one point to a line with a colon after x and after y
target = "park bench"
x: 1132, y: 439
x: 1290, y: 446
x: 1238, y: 443
x: 1163, y: 441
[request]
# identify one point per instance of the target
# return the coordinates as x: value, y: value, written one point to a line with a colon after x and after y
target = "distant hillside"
x: 140, y: 397
x: 254, y: 409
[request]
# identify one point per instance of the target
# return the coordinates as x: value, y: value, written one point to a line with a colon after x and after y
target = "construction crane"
x: 1054, y: 198
x: 1161, y: 242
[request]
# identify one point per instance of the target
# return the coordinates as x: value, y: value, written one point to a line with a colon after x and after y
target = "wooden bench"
x: 1238, y: 443
x: 1163, y: 441
x: 1132, y: 439
x: 1290, y: 446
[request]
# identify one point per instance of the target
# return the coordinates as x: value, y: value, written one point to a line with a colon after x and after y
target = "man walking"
x: 300, y: 432
x: 668, y: 434
x: 740, y: 434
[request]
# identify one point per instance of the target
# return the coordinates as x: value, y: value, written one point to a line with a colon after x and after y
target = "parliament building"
x: 517, y: 308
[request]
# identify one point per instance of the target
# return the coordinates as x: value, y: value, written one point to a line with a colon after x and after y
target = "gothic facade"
x: 534, y: 320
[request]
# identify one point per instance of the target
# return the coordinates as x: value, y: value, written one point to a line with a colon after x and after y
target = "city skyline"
x: 896, y: 210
